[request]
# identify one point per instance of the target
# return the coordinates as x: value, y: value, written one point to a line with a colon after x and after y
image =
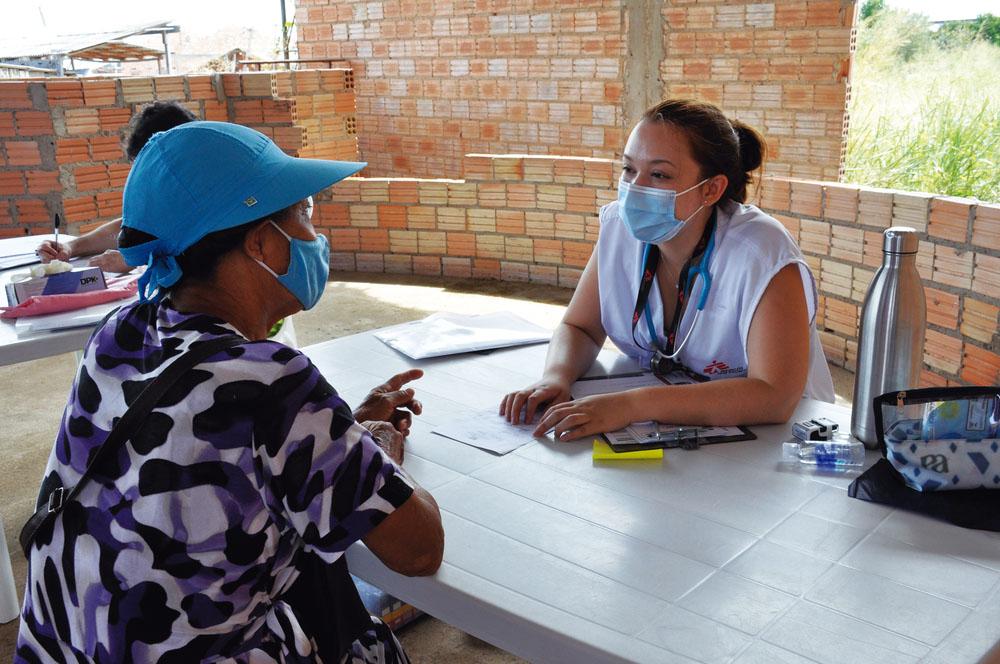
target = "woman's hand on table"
x: 111, y: 261
x: 50, y: 250
x: 390, y: 402
x: 534, y: 398
x: 587, y: 416
x: 387, y: 437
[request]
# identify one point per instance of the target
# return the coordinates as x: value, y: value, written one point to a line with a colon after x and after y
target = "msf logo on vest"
x: 720, y: 368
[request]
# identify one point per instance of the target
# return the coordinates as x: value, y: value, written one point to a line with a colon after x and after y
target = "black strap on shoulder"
x: 683, y: 286
x: 123, y: 430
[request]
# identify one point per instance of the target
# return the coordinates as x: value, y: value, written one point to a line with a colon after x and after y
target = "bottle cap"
x: 900, y: 240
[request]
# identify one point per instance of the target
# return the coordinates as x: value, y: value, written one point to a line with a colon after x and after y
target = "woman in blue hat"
x: 215, y: 529
x: 686, y: 275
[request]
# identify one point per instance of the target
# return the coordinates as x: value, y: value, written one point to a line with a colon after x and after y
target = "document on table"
x: 651, y: 434
x: 487, y: 431
x: 449, y: 334
x: 64, y: 320
x: 640, y: 435
x: 18, y: 260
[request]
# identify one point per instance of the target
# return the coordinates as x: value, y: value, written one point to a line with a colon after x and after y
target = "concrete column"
x: 644, y: 52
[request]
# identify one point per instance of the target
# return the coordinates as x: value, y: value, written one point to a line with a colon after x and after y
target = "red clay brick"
x: 106, y: 148
x: 14, y: 95
x: 113, y: 119
x: 83, y: 208
x: 72, y: 150
x: 42, y: 182
x: 63, y: 92
x: 33, y: 123
x: 32, y: 210
x: 99, y: 93
x: 11, y: 183
x: 6, y: 124
x: 22, y: 153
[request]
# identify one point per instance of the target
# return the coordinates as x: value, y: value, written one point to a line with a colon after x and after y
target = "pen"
x: 55, y: 228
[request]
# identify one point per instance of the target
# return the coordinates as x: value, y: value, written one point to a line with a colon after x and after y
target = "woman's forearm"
x: 97, y: 241
x: 572, y: 351
x: 717, y: 403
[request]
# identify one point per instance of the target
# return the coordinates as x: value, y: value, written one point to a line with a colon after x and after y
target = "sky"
x: 24, y: 18
x: 195, y: 17
x: 947, y: 10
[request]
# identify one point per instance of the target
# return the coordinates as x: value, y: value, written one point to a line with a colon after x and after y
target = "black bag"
x: 914, y: 440
x: 968, y: 508
x: 327, y: 605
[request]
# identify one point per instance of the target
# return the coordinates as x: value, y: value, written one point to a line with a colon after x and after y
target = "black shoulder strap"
x: 123, y: 430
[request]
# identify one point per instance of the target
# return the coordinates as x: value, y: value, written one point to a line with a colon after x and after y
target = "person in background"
x: 102, y: 242
x: 686, y: 275
x: 214, y: 533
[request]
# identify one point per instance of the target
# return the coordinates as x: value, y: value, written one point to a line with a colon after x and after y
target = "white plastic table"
x: 14, y: 349
x: 714, y: 555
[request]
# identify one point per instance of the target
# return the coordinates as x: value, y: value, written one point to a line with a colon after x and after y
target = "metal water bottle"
x: 893, y: 320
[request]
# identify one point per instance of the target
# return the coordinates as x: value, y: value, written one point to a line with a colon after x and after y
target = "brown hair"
x: 719, y: 145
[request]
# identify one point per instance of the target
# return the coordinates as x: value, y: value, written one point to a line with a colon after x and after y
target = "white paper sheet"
x: 449, y: 334
x: 63, y: 320
x: 487, y: 431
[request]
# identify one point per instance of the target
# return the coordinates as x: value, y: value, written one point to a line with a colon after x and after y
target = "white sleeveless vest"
x: 750, y: 249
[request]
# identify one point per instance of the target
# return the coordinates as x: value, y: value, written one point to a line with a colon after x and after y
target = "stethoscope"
x: 699, y: 269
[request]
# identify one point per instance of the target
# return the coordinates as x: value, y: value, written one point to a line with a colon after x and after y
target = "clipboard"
x: 632, y: 439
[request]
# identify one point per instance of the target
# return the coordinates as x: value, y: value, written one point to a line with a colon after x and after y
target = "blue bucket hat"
x: 203, y: 177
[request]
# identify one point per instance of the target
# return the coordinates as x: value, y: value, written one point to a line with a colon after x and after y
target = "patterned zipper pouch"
x: 942, y: 438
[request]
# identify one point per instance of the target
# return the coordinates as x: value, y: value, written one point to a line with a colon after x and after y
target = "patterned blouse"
x: 182, y: 550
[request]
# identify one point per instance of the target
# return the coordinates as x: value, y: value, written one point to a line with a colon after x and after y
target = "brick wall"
x: 515, y: 218
x: 534, y: 218
x: 839, y: 227
x: 781, y: 67
x: 439, y: 79
x: 60, y: 147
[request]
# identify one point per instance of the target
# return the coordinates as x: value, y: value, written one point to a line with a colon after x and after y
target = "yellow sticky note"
x: 603, y: 451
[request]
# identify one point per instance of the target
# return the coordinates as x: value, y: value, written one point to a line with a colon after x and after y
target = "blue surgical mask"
x: 308, y: 268
x: 649, y: 212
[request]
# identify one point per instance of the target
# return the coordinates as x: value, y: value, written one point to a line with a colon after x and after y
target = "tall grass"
x: 923, y: 118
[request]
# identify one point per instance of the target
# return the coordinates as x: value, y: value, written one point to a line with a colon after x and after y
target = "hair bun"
x: 751, y: 146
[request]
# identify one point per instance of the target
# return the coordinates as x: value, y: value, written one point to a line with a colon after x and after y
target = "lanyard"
x: 696, y: 264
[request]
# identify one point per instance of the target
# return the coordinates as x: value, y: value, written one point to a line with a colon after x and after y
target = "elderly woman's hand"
x: 389, y: 403
x: 387, y: 437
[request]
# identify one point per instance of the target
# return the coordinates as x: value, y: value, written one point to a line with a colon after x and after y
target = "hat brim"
x: 294, y: 181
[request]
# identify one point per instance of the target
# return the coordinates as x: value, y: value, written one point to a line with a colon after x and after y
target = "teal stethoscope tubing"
x: 693, y: 271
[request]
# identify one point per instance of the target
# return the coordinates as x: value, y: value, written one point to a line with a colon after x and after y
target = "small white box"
x: 77, y: 280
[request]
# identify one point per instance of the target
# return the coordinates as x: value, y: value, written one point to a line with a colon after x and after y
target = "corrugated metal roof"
x: 73, y: 45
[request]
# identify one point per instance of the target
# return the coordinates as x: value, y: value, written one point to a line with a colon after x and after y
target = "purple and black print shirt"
x: 182, y: 548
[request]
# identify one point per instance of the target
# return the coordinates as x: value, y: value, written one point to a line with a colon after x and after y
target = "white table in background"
x: 714, y: 555
x: 14, y: 349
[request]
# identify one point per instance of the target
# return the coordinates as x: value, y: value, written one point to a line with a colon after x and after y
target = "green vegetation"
x: 925, y: 105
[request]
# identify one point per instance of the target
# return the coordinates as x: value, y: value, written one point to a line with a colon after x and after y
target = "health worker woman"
x: 686, y: 273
